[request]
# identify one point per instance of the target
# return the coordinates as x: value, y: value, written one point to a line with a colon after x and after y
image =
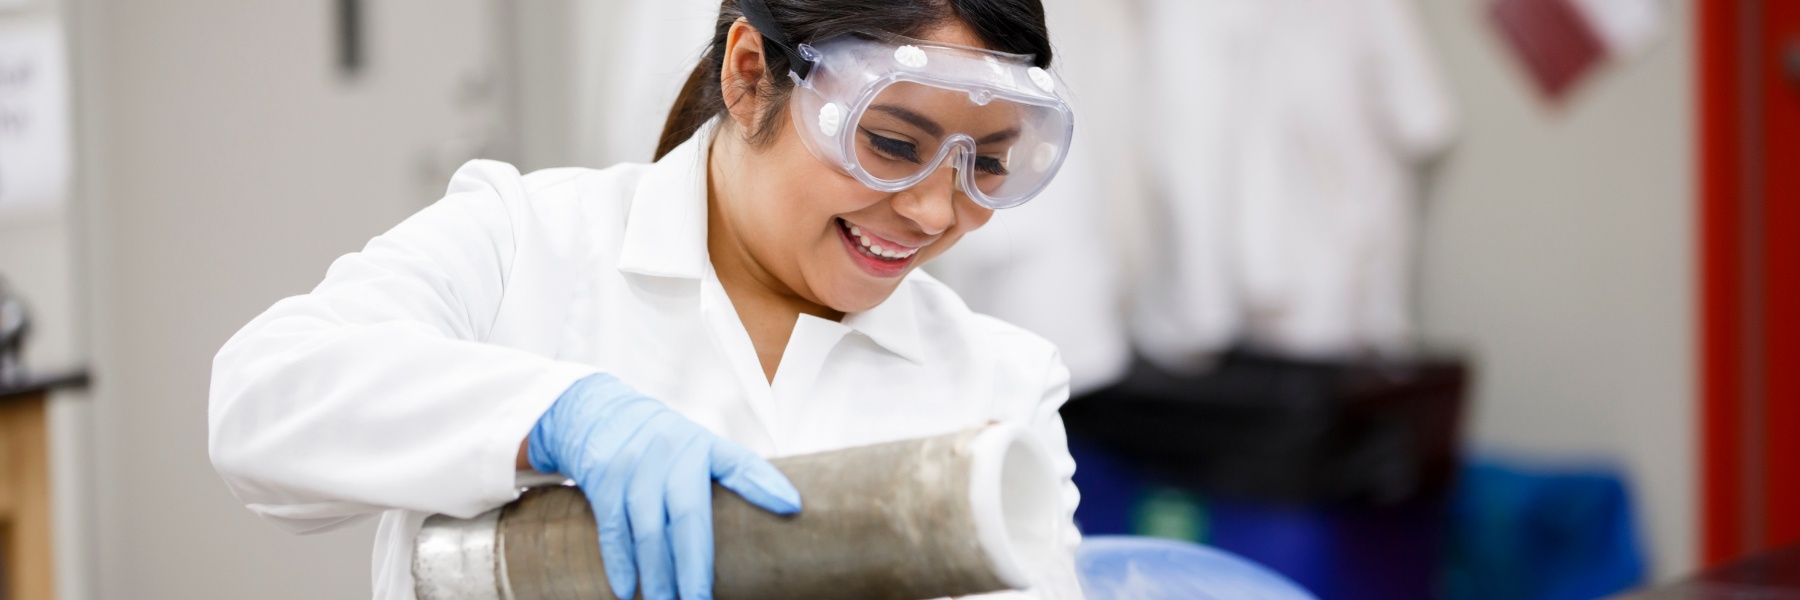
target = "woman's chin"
x: 853, y: 296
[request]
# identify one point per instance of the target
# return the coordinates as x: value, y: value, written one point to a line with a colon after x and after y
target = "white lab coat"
x: 403, y: 384
x: 1186, y: 307
x: 1285, y: 154
x: 1344, y: 104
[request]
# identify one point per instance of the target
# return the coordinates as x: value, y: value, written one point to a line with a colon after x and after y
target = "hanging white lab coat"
x: 1343, y: 104
x: 403, y: 384
x: 1186, y: 307
x: 1285, y: 134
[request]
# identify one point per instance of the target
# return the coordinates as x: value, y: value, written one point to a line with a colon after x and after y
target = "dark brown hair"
x: 1014, y: 26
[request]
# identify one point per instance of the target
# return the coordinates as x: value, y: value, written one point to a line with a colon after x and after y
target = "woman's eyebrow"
x: 1003, y: 135
x: 916, y: 119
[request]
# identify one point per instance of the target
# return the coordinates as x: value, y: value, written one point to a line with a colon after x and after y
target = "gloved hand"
x: 648, y: 472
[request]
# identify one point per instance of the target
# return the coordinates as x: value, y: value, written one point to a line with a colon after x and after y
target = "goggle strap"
x: 759, y: 17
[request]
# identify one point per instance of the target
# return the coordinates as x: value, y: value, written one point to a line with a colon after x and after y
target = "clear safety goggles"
x: 891, y: 111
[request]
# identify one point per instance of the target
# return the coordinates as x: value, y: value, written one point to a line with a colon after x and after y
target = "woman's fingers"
x: 608, y: 489
x: 646, y: 503
x: 742, y: 471
x: 615, y: 539
x: 690, y: 520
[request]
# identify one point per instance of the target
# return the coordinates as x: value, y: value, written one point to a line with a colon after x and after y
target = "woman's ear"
x: 742, y: 73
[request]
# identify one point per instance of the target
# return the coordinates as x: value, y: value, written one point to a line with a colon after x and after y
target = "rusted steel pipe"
x: 951, y: 515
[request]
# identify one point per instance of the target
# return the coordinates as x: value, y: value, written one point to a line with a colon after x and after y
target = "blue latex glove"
x: 648, y: 474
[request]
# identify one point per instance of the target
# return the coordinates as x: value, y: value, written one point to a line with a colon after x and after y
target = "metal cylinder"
x: 957, y: 514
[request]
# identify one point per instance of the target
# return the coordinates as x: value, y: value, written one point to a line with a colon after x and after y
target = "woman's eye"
x: 990, y: 165
x: 893, y: 148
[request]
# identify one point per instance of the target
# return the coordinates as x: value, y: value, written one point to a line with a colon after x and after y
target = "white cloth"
x: 1050, y: 265
x: 1346, y: 104
x: 631, y: 59
x: 404, y: 383
x: 1186, y: 304
x: 1285, y: 157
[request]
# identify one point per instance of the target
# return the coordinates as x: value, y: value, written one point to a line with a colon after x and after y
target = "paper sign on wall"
x: 1553, y: 39
x: 1627, y: 26
x: 1561, y: 41
x: 34, y: 117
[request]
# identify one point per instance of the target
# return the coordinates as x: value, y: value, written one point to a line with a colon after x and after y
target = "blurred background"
x: 1402, y: 298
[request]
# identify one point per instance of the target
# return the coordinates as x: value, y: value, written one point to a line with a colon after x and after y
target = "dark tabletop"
x: 37, y: 383
x: 1772, y: 575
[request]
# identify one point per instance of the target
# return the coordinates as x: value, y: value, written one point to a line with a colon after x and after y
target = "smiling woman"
x: 879, y: 116
x: 648, y: 330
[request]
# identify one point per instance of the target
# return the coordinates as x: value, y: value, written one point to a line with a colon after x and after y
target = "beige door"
x: 227, y: 156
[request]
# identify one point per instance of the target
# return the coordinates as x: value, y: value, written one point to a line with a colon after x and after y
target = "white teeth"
x: 876, y: 249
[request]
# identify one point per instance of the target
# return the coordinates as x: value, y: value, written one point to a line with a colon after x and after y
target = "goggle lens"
x: 1005, y: 150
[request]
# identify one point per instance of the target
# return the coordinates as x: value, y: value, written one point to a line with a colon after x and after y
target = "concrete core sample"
x: 951, y: 515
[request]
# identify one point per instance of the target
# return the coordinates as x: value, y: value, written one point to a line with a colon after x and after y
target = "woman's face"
x: 820, y: 233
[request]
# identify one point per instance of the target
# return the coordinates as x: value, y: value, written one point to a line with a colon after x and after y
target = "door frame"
x: 1749, y: 296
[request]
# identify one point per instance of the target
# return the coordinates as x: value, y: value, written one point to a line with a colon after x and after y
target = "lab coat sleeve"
x: 375, y: 391
x: 1416, y: 107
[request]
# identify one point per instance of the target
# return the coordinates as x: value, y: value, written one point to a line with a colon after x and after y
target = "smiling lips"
x: 875, y: 247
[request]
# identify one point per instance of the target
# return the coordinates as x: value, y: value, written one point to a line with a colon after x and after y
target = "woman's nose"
x: 931, y: 203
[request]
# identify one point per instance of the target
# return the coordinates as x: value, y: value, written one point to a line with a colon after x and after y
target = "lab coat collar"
x: 894, y: 323
x: 665, y: 235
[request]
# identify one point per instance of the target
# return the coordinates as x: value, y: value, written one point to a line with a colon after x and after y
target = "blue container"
x: 1341, y: 553
x: 1543, y: 533
x: 1338, y: 553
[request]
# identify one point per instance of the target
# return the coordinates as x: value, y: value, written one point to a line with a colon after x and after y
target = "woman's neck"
x: 767, y: 307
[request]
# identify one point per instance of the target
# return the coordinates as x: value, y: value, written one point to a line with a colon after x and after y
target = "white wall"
x: 1559, y: 248
x: 225, y: 165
